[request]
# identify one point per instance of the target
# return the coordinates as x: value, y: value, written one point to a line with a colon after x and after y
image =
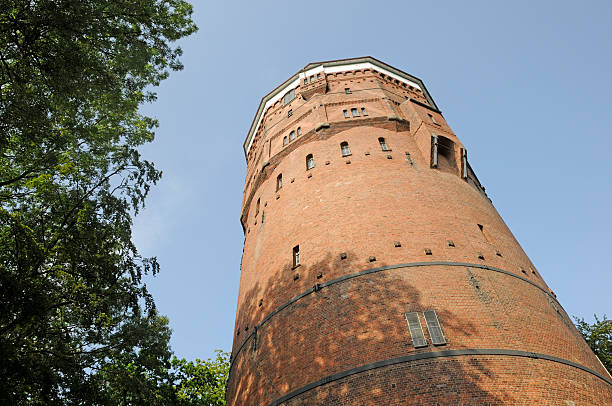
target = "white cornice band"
x: 327, y: 68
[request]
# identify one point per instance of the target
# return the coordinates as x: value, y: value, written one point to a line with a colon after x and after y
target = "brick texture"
x: 380, y: 209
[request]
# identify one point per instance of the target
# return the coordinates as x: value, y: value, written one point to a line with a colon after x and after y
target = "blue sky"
x: 525, y: 85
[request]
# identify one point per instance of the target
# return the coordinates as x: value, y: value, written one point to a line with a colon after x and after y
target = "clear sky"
x: 525, y: 85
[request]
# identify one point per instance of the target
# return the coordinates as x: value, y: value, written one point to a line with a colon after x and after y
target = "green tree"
x: 202, y: 383
x: 599, y: 337
x: 74, y: 310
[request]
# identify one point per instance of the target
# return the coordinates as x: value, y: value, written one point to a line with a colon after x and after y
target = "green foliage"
x: 77, y: 324
x: 202, y: 383
x: 599, y: 337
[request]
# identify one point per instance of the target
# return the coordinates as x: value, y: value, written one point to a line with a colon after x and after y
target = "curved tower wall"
x: 384, y: 237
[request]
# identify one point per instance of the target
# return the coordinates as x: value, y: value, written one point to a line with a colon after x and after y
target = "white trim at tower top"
x: 327, y: 68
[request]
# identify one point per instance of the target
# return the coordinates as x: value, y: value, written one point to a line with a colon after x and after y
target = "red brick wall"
x: 361, y: 206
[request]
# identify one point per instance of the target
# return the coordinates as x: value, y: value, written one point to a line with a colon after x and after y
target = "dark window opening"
x: 355, y: 113
x: 346, y: 114
x: 285, y: 140
x: 383, y: 144
x: 309, y: 162
x: 346, y: 151
x: 296, y: 256
x: 257, y: 207
x: 347, y: 90
x: 279, y: 181
x: 364, y: 112
x: 289, y: 113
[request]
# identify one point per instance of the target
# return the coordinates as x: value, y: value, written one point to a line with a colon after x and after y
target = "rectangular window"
x: 363, y: 111
x: 433, y: 325
x: 416, y: 331
x: 289, y: 113
x: 318, y: 76
x: 347, y: 90
x: 355, y: 113
x: 305, y: 81
x: 312, y: 79
x: 346, y: 115
x: 296, y: 256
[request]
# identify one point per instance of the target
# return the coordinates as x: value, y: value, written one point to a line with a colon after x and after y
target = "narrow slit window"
x: 416, y: 331
x: 364, y: 112
x: 312, y: 79
x: 346, y: 115
x: 318, y: 76
x: 346, y: 151
x: 383, y: 144
x: 299, y: 131
x: 291, y: 135
x: 263, y: 216
x: 296, y: 256
x: 257, y: 207
x: 285, y: 140
x: 290, y: 113
x: 305, y: 81
x: 433, y: 325
x: 279, y: 181
x: 309, y: 162
x: 355, y: 112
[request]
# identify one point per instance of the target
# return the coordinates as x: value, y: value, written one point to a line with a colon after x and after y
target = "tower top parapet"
x: 327, y: 67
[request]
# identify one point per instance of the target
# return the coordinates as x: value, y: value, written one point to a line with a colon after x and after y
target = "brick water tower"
x: 375, y: 269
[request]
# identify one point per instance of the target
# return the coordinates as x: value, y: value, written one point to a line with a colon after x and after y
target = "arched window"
x: 299, y: 131
x: 383, y: 144
x: 346, y: 151
x: 291, y: 136
x: 279, y: 181
x: 309, y: 161
x: 285, y: 140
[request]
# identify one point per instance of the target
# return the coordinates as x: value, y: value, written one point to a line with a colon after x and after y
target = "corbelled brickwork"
x: 360, y: 210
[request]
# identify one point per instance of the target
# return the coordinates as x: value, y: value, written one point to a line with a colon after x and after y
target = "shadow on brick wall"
x: 339, y: 327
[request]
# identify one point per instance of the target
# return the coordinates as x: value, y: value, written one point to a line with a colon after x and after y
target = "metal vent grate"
x: 435, y: 331
x: 416, y: 331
